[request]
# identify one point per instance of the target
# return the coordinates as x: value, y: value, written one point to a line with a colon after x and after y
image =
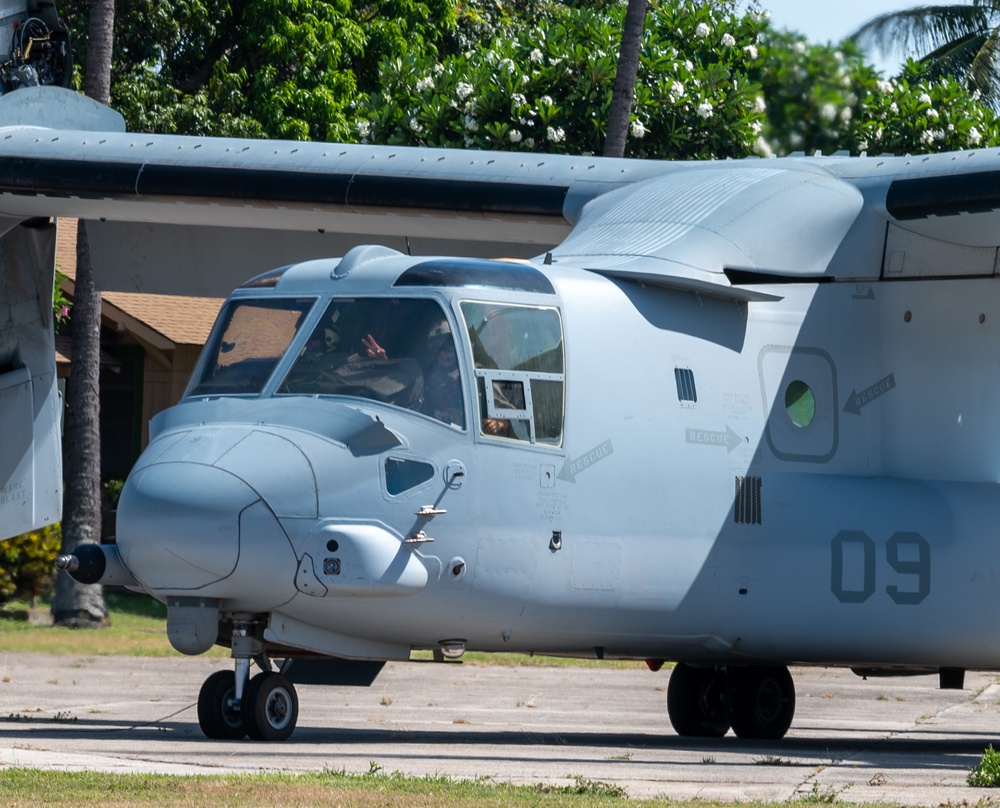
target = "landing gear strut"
x: 757, y: 702
x: 232, y: 705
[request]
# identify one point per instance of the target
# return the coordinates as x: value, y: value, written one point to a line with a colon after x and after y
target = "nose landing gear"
x: 757, y: 702
x: 232, y: 705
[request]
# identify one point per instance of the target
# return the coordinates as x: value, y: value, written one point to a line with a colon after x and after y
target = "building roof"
x: 165, y: 321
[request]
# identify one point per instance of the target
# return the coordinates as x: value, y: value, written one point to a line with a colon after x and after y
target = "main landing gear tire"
x: 218, y: 719
x: 696, y: 702
x: 270, y: 707
x: 757, y: 702
x: 763, y: 703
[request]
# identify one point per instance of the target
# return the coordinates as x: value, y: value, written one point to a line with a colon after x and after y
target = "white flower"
x: 975, y: 137
x: 364, y: 128
x: 884, y: 86
x: 845, y: 115
x: 755, y: 127
x: 546, y: 99
x: 515, y: 135
x: 536, y: 56
x: 863, y: 145
x: 638, y: 130
x: 556, y: 135
x: 471, y: 124
x: 931, y: 113
x: 415, y: 126
x: 463, y: 89
x: 799, y: 47
x: 762, y: 148
x: 702, y: 30
x: 927, y: 137
x: 759, y: 106
x: 727, y: 40
x: 519, y: 99
x: 688, y: 65
x: 705, y: 110
x: 924, y: 98
x: 751, y: 51
x: 828, y: 112
x: 508, y: 64
x: 529, y: 143
x: 894, y: 108
x: 426, y: 83
x: 439, y: 68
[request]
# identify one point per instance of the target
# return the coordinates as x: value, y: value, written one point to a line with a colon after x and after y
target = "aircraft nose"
x: 179, y: 524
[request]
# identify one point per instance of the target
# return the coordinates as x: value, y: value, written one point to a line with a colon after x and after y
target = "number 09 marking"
x: 907, y: 554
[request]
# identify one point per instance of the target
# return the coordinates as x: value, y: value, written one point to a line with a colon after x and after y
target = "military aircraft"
x: 734, y: 415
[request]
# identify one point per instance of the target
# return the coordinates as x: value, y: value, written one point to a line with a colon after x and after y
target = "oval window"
x: 800, y: 403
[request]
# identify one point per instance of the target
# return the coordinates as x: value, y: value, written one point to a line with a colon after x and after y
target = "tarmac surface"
x: 898, y: 740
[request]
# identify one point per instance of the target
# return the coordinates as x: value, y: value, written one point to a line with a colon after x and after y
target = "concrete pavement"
x: 887, y: 740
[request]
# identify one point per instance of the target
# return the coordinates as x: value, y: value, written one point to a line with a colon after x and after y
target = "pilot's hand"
x: 494, y: 426
x: 374, y: 350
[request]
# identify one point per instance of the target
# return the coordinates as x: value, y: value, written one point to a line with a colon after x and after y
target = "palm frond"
x: 919, y: 30
x: 984, y: 70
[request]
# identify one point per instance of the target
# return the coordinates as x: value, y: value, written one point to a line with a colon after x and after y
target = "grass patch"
x: 30, y: 787
x: 138, y: 628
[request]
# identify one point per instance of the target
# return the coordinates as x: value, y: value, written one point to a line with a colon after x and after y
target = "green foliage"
x: 827, y: 98
x: 60, y: 303
x: 27, y: 564
x: 986, y: 773
x: 714, y: 80
x: 547, y: 86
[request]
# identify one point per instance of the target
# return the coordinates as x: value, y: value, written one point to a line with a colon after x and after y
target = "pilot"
x: 442, y: 395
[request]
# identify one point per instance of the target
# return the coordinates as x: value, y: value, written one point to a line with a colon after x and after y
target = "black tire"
x: 216, y: 716
x: 763, y: 703
x: 270, y: 707
x: 696, y: 702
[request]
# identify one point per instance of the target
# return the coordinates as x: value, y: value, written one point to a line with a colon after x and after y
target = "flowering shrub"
x: 827, y: 98
x: 547, y: 87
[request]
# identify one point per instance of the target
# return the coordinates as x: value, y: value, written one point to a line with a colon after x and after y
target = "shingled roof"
x: 164, y: 321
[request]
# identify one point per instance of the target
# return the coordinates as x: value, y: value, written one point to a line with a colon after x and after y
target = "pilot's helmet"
x: 440, y: 337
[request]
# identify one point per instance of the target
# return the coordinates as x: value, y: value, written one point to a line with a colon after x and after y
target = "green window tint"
x: 800, y: 403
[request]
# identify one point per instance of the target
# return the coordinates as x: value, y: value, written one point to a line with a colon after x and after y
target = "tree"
x: 827, y: 98
x: 547, y: 86
x: 264, y: 68
x: 628, y: 68
x: 75, y: 604
x: 959, y: 40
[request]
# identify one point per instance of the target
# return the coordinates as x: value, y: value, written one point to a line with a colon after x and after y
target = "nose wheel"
x: 267, y: 711
x: 231, y: 705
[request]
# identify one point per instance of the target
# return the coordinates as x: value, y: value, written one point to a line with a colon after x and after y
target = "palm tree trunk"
x: 628, y: 69
x: 79, y: 605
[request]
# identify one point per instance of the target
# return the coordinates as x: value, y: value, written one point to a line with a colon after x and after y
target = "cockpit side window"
x: 249, y: 339
x: 394, y: 350
x: 520, y: 371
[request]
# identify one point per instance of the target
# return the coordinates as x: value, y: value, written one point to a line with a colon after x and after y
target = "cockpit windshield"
x: 394, y: 350
x: 251, y: 338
